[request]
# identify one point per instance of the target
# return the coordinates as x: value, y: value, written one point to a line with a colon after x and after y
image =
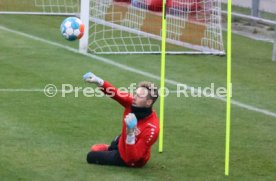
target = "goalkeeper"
x: 140, y: 126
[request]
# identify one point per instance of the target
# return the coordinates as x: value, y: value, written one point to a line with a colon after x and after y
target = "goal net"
x: 135, y: 26
x: 125, y: 26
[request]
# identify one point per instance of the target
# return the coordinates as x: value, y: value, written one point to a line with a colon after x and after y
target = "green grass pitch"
x: 48, y: 138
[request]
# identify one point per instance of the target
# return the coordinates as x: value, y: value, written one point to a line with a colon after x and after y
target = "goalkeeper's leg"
x: 105, y: 147
x: 111, y: 156
x: 114, y: 144
x: 105, y: 158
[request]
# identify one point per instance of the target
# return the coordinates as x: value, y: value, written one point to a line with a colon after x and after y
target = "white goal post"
x: 134, y: 26
x: 84, y: 16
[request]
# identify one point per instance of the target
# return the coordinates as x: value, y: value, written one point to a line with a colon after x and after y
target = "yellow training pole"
x: 228, y: 104
x: 162, y: 82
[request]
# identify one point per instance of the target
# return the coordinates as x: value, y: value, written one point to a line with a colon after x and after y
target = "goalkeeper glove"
x: 92, y: 78
x: 131, y: 123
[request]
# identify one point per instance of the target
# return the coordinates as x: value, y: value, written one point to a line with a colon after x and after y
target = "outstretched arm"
x: 124, y: 98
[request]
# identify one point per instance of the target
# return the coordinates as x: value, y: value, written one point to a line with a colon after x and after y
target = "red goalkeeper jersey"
x: 146, y: 134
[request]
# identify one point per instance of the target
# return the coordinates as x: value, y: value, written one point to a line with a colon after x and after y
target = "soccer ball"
x: 72, y: 28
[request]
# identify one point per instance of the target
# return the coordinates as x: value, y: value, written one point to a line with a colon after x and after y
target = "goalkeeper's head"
x: 145, y: 95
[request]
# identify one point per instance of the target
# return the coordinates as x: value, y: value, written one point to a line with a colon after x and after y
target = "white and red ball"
x: 72, y: 28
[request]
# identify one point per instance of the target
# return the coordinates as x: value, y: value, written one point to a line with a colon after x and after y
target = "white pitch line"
x: 137, y: 71
x: 36, y: 90
x: 21, y: 90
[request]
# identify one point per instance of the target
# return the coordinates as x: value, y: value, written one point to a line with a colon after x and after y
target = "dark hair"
x: 153, y: 90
